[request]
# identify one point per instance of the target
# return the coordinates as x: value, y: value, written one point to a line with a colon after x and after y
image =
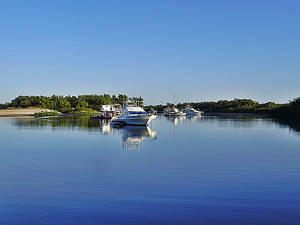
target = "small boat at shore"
x: 152, y: 112
x: 107, y: 112
x: 189, y: 111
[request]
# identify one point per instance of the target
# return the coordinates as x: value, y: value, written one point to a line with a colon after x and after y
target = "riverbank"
x: 20, y: 112
x: 39, y: 112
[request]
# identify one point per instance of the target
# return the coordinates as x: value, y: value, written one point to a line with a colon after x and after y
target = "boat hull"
x: 175, y: 114
x: 136, y: 120
x: 101, y: 117
x: 133, y: 120
x: 194, y: 114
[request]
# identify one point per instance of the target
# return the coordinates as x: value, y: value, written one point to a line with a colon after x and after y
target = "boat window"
x: 132, y: 112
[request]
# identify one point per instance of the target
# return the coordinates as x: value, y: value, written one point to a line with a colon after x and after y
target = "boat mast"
x: 174, y: 101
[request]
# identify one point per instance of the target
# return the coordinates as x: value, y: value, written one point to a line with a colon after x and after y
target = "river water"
x: 199, y: 170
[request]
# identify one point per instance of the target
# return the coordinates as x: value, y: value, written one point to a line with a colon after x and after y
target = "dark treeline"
x: 236, y: 105
x: 69, y: 103
x: 289, y: 112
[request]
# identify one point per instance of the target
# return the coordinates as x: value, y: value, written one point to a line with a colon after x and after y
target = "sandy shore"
x: 22, y: 112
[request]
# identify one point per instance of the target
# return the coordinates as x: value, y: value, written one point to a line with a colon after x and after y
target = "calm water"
x: 208, y: 170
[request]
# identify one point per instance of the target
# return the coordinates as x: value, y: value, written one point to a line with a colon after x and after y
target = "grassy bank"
x: 82, y: 112
x: 42, y: 114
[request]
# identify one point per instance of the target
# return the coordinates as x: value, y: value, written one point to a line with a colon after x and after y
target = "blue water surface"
x: 200, y: 170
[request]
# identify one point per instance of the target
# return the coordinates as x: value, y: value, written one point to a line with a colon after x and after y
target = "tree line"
x: 288, y: 112
x: 236, y: 105
x: 69, y: 103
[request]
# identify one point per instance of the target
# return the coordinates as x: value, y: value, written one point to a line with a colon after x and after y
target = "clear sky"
x: 202, y: 50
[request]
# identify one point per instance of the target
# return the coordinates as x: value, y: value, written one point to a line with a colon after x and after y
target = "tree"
x: 25, y: 103
x: 81, y: 105
x: 63, y: 104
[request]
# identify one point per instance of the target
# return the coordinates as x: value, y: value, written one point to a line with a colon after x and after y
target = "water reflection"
x: 175, y: 120
x: 232, y: 121
x: 132, y: 137
x: 192, y: 119
x: 294, y: 127
x: 214, y: 165
x: 187, y: 119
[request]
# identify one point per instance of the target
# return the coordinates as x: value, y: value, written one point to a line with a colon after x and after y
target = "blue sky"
x: 202, y: 50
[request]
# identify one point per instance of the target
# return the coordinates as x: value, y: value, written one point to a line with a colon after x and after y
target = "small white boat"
x: 107, y: 112
x: 173, y: 111
x: 189, y: 111
x: 152, y: 112
x: 166, y: 111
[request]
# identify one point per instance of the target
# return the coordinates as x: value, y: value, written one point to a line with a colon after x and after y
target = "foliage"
x: 286, y: 113
x: 81, y: 105
x: 236, y: 105
x: 289, y: 112
x: 69, y: 103
x: 42, y: 114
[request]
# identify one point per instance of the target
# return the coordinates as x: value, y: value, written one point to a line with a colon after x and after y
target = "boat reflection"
x: 132, y: 137
x: 187, y: 119
x: 105, y: 127
x: 193, y: 118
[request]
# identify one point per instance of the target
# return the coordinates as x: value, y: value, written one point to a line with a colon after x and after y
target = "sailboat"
x: 173, y: 111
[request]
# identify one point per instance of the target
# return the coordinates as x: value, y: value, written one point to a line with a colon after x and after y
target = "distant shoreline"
x: 30, y: 112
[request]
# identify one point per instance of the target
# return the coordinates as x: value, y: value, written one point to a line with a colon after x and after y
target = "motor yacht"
x: 133, y: 115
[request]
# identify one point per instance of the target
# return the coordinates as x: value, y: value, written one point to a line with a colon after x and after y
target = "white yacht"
x: 133, y: 115
x: 189, y: 111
